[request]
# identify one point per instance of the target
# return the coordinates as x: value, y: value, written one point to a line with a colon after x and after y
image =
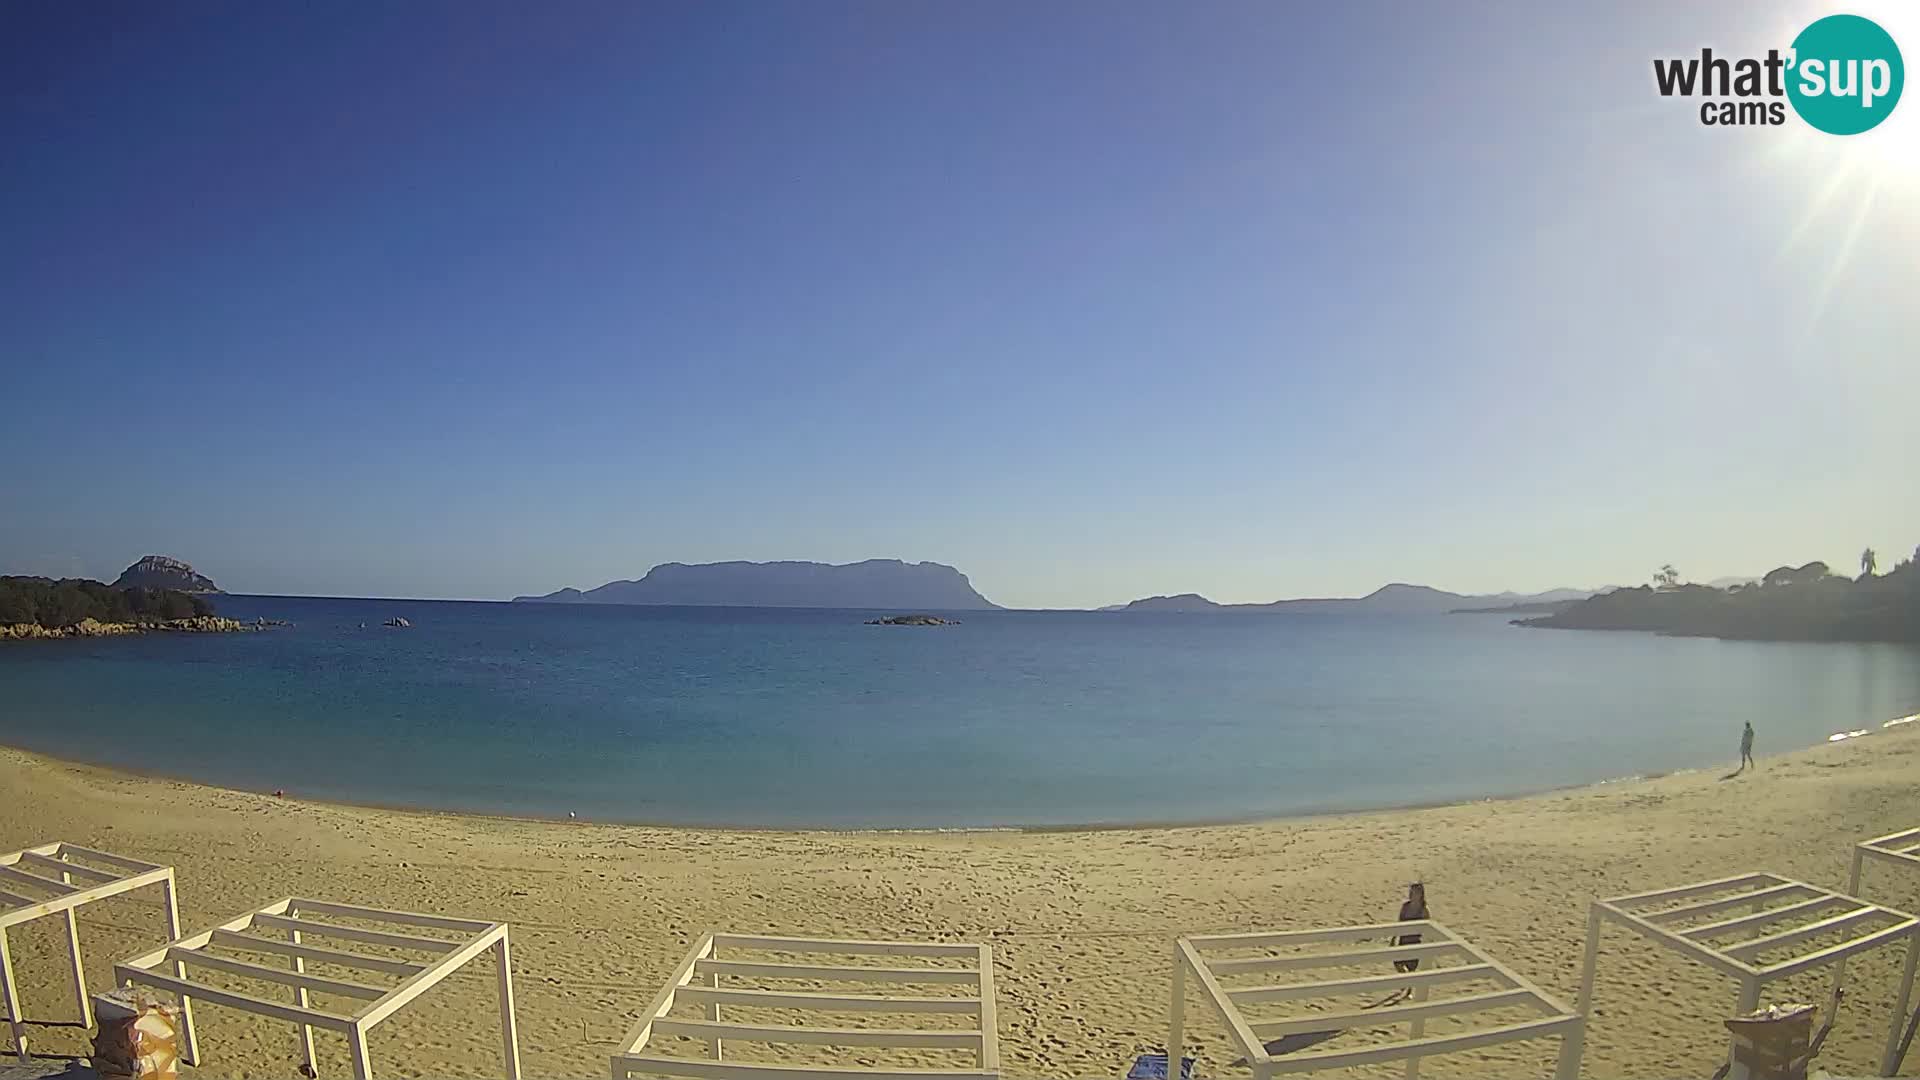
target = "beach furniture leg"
x: 300, y: 999
x: 357, y: 1046
x: 79, y: 972
x: 713, y: 1014
x: 13, y: 999
x: 192, y: 1046
x: 1419, y: 1028
x: 1749, y: 1001
x: 509, y: 1034
x: 1584, y: 1003
x: 1853, y: 876
x: 1177, y: 1015
x: 1891, y: 1062
x: 1572, y: 1044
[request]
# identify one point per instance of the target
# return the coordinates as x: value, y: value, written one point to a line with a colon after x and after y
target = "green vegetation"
x: 1792, y: 603
x: 57, y: 605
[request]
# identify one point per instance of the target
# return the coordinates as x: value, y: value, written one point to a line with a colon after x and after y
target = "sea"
x: 784, y: 718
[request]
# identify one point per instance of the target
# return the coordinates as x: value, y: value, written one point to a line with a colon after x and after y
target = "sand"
x: 1082, y: 922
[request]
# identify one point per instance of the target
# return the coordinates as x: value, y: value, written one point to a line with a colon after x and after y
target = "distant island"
x: 1395, y: 599
x: 875, y: 583
x: 37, y: 607
x: 912, y: 620
x: 164, y: 572
x: 1792, y: 603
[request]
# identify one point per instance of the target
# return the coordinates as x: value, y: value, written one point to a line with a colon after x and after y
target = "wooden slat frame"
x: 703, y: 962
x: 1737, y: 960
x: 1191, y: 959
x: 380, y: 1001
x: 76, y: 885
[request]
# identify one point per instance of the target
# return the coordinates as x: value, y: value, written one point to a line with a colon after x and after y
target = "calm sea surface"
x: 806, y: 717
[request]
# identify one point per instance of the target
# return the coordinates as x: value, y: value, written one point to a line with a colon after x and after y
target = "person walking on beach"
x: 1746, y: 747
x: 1413, y: 909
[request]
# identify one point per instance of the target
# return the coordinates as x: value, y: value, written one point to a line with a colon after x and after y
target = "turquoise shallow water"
x: 802, y: 717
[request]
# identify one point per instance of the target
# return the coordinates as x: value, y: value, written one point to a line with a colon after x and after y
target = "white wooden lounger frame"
x: 703, y: 963
x: 285, y: 919
x: 1190, y: 959
x: 57, y: 875
x: 1659, y: 917
x: 1901, y: 848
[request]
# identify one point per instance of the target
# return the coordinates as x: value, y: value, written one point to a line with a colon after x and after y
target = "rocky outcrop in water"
x: 164, y: 572
x: 913, y: 620
x: 94, y: 628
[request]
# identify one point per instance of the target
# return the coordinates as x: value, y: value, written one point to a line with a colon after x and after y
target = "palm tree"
x: 1868, y: 563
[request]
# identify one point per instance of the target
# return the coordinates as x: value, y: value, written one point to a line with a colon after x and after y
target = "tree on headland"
x: 1667, y: 578
x: 1869, y: 562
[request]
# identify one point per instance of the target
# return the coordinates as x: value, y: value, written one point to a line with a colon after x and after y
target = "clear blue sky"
x: 1093, y: 301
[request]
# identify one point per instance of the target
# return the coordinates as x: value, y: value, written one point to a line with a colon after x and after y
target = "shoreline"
x: 1885, y: 727
x: 1080, y: 921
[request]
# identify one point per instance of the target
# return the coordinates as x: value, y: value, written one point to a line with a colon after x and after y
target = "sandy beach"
x: 1082, y: 922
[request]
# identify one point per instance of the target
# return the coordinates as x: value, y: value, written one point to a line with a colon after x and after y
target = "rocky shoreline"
x: 93, y: 628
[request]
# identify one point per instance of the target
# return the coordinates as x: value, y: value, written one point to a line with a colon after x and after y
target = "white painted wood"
x: 1361, y: 932
x: 1762, y: 918
x: 171, y: 889
x: 989, y: 1059
x: 25, y: 880
x: 1703, y: 953
x: 298, y: 906
x: 295, y: 948
x: 697, y: 981
x: 509, y: 1030
x: 233, y: 999
x: 299, y: 964
x: 696, y: 1069
x: 357, y: 1050
x: 1747, y: 950
x: 1250, y: 1045
x: 67, y: 870
x: 1177, y: 1015
x: 1513, y: 991
x: 1349, y: 958
x: 768, y: 943
x: 1741, y: 900
x: 381, y: 1001
x: 1834, y: 953
x: 811, y: 999
x: 830, y: 973
x: 425, y: 980
x: 354, y: 933
x: 1698, y: 888
x: 1418, y: 1028
x: 1436, y: 1044
x: 11, y: 996
x: 1890, y: 1062
x: 779, y: 1033
x: 1394, y: 1014
x: 197, y: 958
x: 134, y: 866
x: 663, y: 1001
x: 1365, y: 983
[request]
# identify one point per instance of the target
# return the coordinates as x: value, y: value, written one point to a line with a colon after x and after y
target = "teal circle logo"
x: 1847, y: 74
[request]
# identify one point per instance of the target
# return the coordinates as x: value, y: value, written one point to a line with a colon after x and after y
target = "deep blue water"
x: 806, y: 717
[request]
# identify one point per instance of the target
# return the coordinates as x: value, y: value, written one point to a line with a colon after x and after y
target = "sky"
x: 1091, y: 300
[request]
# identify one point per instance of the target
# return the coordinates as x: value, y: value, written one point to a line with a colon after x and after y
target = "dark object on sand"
x: 1413, y: 909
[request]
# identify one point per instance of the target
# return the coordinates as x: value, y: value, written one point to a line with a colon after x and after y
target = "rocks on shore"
x: 94, y: 628
x: 913, y: 620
